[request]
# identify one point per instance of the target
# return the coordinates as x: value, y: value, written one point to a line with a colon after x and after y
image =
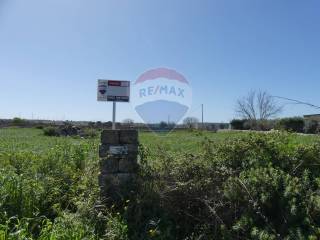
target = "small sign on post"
x: 113, y: 91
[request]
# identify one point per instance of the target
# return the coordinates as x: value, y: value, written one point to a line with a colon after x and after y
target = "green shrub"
x: 265, y: 125
x: 51, y: 132
x: 89, y: 133
x: 249, y: 186
x: 259, y: 186
x: 117, y: 228
x: 48, y: 193
x: 18, y: 122
x: 249, y: 125
x: 257, y: 125
x: 68, y: 226
x: 311, y: 127
x: 294, y: 124
x: 238, y: 124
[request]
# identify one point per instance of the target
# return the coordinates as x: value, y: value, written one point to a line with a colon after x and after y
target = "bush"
x: 48, y: 194
x: 89, y: 133
x: 238, y: 124
x: 257, y: 125
x: 294, y: 124
x: 51, y: 132
x: 260, y: 186
x: 250, y: 186
x: 67, y: 226
x: 18, y: 122
x: 265, y: 125
x: 311, y: 127
x: 251, y: 125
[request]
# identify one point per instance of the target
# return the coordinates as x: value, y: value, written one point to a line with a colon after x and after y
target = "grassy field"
x: 49, y: 189
x: 29, y: 139
x: 189, y: 141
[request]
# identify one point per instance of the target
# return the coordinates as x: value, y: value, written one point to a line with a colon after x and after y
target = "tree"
x: 191, y: 122
x: 257, y: 105
x: 18, y: 121
x: 163, y: 125
x: 237, y: 124
x: 293, y: 124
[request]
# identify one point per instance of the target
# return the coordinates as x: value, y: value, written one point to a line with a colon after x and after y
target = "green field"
x: 28, y: 139
x: 185, y: 141
x: 49, y: 188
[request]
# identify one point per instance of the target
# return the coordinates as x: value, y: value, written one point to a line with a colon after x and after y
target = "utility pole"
x: 202, y: 116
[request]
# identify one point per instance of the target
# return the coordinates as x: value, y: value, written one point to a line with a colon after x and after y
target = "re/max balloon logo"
x: 161, y: 90
x: 161, y: 95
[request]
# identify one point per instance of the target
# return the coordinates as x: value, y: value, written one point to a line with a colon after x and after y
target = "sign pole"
x: 114, y: 116
x: 202, y: 116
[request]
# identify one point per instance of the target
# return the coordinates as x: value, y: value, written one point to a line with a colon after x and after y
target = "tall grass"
x: 194, y: 185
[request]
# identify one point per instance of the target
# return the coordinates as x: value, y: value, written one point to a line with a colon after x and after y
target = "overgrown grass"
x: 197, y: 185
x: 48, y: 186
x: 245, y: 186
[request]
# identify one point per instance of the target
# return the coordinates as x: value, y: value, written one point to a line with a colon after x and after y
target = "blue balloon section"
x: 161, y: 112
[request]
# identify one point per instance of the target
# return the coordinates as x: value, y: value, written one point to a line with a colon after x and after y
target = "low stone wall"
x: 118, y: 164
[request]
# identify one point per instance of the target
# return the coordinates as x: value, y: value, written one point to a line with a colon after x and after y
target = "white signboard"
x: 113, y: 90
x: 118, y: 150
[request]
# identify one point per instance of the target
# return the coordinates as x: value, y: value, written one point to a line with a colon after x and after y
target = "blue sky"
x: 52, y: 52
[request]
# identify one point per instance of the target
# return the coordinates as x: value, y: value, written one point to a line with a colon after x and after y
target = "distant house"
x: 315, y: 117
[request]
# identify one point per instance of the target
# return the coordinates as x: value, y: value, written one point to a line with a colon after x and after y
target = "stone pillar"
x: 118, y: 164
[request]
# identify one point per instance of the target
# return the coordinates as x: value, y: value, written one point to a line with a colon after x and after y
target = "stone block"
x: 110, y: 137
x: 109, y: 187
x: 128, y: 137
x: 126, y: 178
x: 132, y: 149
x: 115, y: 188
x: 104, y: 151
x: 127, y: 165
x: 107, y: 150
x: 109, y: 165
x: 107, y: 181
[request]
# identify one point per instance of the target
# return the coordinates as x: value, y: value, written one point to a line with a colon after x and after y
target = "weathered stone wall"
x: 118, y: 164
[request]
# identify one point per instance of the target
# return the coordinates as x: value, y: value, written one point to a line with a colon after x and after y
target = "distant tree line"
x: 292, y: 124
x: 257, y: 111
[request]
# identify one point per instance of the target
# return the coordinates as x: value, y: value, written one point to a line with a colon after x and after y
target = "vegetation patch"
x: 193, y: 185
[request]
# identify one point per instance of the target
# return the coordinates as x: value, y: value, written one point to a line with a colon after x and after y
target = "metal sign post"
x: 113, y: 91
x: 114, y: 116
